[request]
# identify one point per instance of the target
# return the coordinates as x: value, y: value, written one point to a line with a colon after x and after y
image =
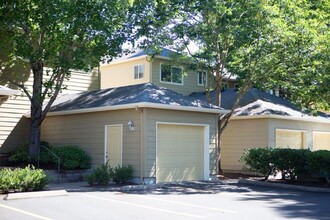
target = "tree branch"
x: 22, y: 86
x: 59, y: 84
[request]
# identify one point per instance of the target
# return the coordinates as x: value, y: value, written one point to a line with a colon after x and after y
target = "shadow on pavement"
x: 291, y: 203
x: 182, y: 188
x: 193, y: 187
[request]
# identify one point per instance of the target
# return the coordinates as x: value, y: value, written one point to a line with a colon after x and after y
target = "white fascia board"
x: 307, y: 119
x: 9, y: 92
x: 114, y: 62
x: 136, y: 105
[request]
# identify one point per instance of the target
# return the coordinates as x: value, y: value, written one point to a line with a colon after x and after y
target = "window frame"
x: 170, y: 82
x: 204, y: 81
x: 303, y: 140
x: 138, y: 73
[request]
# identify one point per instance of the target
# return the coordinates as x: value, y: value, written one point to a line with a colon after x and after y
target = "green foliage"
x: 122, y: 174
x: 269, y: 44
x: 291, y: 162
x: 61, y: 35
x: 101, y: 175
x: 72, y: 157
x: 21, y: 155
x: 22, y: 180
x: 259, y: 160
x: 319, y: 161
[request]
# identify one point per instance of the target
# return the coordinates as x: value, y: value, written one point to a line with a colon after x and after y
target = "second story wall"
x: 189, y: 82
x: 123, y: 73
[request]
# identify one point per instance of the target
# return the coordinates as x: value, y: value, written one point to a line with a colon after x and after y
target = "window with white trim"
x: 170, y: 74
x: 138, y: 71
x: 286, y: 138
x: 201, y: 78
x: 321, y: 140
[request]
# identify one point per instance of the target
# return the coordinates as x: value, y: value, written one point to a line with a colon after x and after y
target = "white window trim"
x: 205, y: 80
x: 138, y: 73
x: 173, y: 83
x: 304, y: 132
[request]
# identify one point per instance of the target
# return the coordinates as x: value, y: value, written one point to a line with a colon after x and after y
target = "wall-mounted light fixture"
x: 130, y: 125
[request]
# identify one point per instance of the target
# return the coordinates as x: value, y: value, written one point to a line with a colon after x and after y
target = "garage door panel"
x: 321, y: 140
x: 180, y: 153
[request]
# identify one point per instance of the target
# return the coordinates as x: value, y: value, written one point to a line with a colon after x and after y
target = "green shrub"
x: 72, y: 157
x: 319, y: 161
x: 291, y: 162
x: 21, y: 155
x: 259, y: 160
x: 22, y: 179
x: 101, y: 175
x: 122, y: 174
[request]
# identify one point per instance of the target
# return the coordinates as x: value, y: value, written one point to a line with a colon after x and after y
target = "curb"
x: 138, y: 187
x: 28, y: 195
x: 283, y: 186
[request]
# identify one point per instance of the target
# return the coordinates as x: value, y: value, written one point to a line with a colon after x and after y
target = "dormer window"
x: 138, y: 71
x: 171, y: 74
x: 201, y: 78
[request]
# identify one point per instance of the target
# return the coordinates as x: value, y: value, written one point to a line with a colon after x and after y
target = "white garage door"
x: 321, y: 140
x: 180, y: 153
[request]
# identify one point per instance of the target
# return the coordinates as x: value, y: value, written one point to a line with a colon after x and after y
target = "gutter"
x: 136, y: 105
x: 309, y: 119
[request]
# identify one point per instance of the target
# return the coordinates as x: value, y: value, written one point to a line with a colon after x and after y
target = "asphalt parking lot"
x: 204, y: 200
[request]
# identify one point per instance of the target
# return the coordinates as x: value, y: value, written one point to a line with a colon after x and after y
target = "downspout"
x: 141, y: 143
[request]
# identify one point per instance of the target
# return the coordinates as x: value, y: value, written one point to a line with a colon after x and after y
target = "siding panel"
x: 87, y: 131
x: 14, y: 127
x: 238, y: 136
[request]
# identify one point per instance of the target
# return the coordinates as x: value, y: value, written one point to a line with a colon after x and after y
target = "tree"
x: 54, y: 36
x: 268, y: 44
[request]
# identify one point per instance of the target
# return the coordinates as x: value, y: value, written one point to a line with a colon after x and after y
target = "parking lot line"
x: 186, y: 204
x: 145, y: 206
x: 24, y: 212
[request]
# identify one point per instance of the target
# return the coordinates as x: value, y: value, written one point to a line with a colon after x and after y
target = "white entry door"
x: 114, y: 142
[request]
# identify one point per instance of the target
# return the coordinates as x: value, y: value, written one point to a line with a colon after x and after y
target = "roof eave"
x: 114, y: 62
x: 271, y: 116
x: 136, y: 105
x: 9, y: 92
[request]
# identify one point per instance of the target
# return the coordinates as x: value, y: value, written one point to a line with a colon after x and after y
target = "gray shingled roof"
x: 261, y: 107
x: 141, y: 93
x: 228, y: 97
x: 163, y: 53
x: 257, y: 102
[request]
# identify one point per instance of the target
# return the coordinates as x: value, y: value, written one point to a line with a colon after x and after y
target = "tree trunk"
x: 36, y: 109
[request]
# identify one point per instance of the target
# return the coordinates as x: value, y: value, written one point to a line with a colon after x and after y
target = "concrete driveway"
x: 201, y: 200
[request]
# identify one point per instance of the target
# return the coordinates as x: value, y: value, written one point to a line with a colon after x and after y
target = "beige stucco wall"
x: 119, y: 74
x: 14, y: 127
x: 152, y: 116
x: 87, y: 130
x: 190, y: 80
x: 238, y: 136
